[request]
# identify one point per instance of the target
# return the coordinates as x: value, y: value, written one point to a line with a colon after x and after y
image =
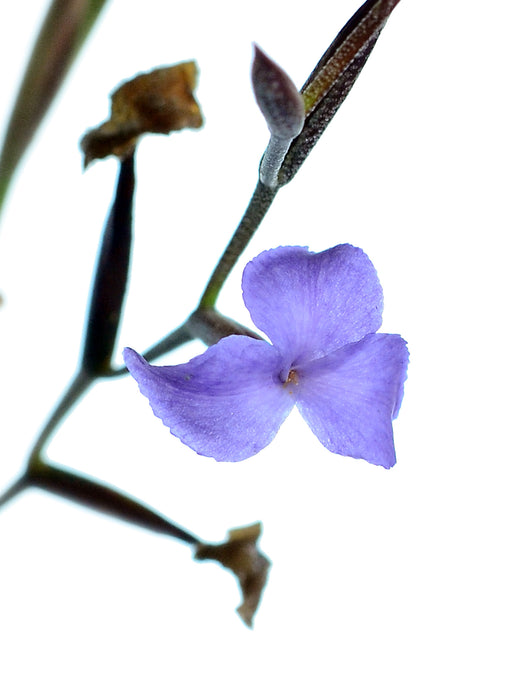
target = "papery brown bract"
x: 157, y: 102
x: 240, y: 554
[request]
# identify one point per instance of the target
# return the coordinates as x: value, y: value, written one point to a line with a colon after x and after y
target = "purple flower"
x: 321, y: 312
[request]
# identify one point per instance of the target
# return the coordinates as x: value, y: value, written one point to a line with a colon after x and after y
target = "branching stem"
x: 260, y: 202
x: 78, y: 387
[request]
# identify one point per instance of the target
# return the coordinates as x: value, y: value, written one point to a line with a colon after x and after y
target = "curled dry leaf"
x: 157, y: 102
x: 240, y: 554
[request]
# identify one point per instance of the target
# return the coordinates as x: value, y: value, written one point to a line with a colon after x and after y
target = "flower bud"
x: 278, y: 98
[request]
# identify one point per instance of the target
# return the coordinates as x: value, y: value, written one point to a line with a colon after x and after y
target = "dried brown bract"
x: 240, y: 554
x: 157, y: 102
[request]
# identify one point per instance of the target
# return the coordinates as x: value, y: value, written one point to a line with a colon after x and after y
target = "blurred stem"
x: 173, y: 340
x: 79, y: 385
x: 63, y: 32
x: 259, y: 204
x: 104, y: 499
x: 84, y: 490
x: 17, y: 487
x: 111, y: 275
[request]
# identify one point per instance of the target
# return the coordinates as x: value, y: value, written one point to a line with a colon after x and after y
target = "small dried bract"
x: 240, y: 554
x: 157, y: 102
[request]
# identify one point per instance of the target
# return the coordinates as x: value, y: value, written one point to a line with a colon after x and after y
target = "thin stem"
x: 173, y: 340
x: 80, y: 384
x: 273, y: 159
x: 17, y: 487
x: 260, y: 202
x: 104, y: 499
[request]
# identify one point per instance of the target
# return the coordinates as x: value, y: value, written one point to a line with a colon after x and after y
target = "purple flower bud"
x: 278, y: 98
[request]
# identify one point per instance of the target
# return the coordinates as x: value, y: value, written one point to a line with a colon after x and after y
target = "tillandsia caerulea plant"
x: 320, y: 311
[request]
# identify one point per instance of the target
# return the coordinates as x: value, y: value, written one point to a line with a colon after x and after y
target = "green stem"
x: 260, y: 202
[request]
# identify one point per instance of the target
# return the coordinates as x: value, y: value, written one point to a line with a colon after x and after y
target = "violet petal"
x: 227, y: 403
x: 310, y: 304
x: 350, y: 397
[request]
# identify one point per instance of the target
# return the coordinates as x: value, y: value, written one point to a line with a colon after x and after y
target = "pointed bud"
x: 278, y: 98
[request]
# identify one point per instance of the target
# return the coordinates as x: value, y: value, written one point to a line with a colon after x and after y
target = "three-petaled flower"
x: 321, y: 312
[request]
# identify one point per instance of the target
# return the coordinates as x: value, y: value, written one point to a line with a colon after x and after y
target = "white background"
x: 402, y: 583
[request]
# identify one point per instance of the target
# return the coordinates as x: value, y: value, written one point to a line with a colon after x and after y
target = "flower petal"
x: 310, y: 304
x: 227, y: 403
x: 350, y: 397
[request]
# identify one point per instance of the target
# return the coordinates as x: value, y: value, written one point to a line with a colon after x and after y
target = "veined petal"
x: 310, y: 304
x: 350, y: 397
x: 227, y: 403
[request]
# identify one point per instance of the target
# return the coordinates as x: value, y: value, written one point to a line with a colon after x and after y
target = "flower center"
x: 293, y: 377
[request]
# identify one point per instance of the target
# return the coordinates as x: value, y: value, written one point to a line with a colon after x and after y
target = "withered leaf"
x: 240, y: 554
x: 157, y: 102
